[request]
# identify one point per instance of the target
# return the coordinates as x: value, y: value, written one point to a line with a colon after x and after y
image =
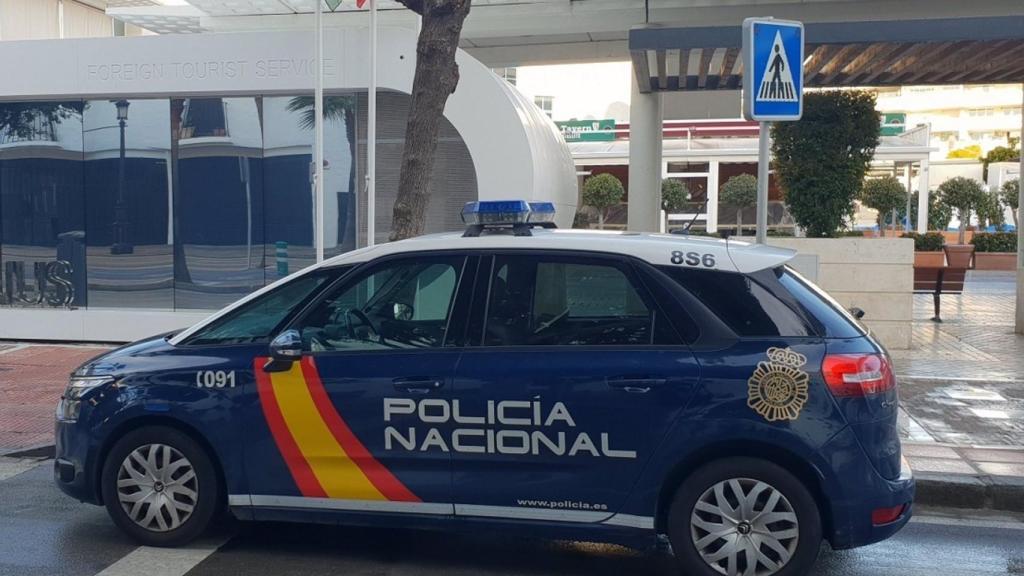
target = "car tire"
x: 712, y: 532
x: 160, y: 486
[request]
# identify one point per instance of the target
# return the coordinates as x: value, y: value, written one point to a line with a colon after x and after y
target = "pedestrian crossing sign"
x: 773, y: 55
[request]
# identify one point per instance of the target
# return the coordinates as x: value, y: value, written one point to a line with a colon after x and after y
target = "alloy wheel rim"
x: 744, y: 527
x: 157, y: 487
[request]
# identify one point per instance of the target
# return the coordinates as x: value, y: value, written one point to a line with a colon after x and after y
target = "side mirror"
x: 857, y: 313
x: 287, y: 346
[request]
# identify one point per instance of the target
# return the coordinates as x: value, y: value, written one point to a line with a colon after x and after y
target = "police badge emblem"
x: 778, y: 388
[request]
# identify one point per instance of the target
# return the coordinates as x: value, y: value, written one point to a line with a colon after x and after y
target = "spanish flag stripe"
x: 331, y: 464
x: 300, y: 469
x: 382, y: 478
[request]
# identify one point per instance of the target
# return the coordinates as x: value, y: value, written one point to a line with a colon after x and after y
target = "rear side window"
x: 557, y: 302
x: 834, y: 319
x: 745, y: 304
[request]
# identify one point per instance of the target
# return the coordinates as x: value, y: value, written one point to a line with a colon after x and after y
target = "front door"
x: 577, y: 377
x: 375, y: 353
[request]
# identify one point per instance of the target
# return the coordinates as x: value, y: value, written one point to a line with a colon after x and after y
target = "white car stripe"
x: 443, y: 509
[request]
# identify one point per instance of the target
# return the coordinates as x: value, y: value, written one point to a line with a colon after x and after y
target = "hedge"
x: 995, y: 242
x: 930, y: 242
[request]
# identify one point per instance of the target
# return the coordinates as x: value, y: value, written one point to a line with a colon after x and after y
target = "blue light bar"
x: 496, y: 213
x: 541, y: 212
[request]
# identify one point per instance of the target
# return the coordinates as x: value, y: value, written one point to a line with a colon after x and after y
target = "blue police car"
x: 572, y: 384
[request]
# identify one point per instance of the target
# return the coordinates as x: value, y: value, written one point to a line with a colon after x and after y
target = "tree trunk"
x: 739, y: 221
x: 963, y: 227
x: 600, y: 219
x: 436, y: 77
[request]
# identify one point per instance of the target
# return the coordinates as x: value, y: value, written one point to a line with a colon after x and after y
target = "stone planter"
x: 995, y: 260
x: 929, y: 259
x: 959, y: 255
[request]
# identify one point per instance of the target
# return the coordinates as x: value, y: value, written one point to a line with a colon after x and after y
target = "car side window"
x: 256, y: 321
x: 741, y: 302
x: 395, y: 305
x: 560, y: 301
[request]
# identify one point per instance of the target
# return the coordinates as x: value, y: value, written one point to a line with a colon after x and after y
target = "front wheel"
x: 159, y: 486
x: 744, y: 517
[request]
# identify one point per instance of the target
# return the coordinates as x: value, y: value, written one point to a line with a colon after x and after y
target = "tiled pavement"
x: 32, y: 378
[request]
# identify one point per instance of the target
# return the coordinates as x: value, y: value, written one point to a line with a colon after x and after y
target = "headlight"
x: 71, y: 402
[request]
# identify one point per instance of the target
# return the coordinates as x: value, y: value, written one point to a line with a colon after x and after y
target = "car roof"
x: 659, y: 249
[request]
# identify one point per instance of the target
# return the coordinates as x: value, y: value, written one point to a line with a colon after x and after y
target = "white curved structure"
x: 516, y: 151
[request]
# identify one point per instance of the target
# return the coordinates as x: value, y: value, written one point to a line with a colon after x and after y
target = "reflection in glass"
x: 128, y: 213
x: 217, y: 149
x: 287, y: 163
x: 42, y: 260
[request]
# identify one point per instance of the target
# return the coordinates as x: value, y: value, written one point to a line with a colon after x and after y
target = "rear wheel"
x: 159, y: 486
x: 744, y: 517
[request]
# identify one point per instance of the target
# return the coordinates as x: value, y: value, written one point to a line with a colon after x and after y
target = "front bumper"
x: 855, y: 490
x: 74, y: 469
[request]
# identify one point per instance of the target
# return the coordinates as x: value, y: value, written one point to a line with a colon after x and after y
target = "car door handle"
x: 417, y: 385
x: 634, y: 384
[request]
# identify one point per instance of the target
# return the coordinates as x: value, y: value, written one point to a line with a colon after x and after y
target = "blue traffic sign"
x: 773, y: 72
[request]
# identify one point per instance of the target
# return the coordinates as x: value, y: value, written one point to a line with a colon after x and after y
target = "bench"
x: 948, y: 279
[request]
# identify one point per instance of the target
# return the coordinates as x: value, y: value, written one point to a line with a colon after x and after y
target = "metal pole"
x: 318, y: 134
x: 371, y: 133
x: 1020, y: 229
x: 764, y: 143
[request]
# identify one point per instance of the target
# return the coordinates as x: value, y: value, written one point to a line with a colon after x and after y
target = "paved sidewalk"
x: 32, y: 378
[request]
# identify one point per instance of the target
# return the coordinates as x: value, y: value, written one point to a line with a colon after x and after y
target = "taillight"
x: 880, y: 516
x: 850, y: 375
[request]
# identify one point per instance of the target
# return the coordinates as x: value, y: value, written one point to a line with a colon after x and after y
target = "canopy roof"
x: 869, y: 53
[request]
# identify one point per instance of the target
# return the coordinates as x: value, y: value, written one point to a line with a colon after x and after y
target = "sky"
x: 581, y: 91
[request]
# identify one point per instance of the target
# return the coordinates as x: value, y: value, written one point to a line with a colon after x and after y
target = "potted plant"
x: 995, y: 251
x: 886, y: 195
x: 928, y: 249
x: 674, y: 196
x: 963, y: 195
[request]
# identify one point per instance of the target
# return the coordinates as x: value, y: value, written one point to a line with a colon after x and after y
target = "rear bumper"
x: 855, y: 490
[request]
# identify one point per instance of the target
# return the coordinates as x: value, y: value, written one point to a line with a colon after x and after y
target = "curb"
x: 976, y: 492
x: 46, y: 451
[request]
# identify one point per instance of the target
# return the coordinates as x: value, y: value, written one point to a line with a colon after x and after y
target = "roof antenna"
x: 703, y: 209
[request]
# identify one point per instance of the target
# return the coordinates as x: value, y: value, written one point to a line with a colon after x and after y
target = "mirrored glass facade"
x: 192, y: 203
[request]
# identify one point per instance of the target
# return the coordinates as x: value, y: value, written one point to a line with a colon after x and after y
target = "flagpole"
x: 371, y: 133
x: 318, y: 134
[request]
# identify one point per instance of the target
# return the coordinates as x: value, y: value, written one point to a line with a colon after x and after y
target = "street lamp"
x: 121, y: 245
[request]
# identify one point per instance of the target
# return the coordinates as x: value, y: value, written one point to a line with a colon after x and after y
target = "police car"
x: 572, y: 384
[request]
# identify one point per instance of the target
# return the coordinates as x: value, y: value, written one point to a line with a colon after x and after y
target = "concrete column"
x: 909, y: 172
x: 645, y: 160
x: 1020, y: 229
x: 713, y: 196
x: 922, y: 198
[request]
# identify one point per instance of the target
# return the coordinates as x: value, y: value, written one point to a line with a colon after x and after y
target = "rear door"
x: 576, y: 377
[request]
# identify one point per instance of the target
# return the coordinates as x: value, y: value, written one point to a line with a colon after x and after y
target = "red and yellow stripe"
x: 324, y: 456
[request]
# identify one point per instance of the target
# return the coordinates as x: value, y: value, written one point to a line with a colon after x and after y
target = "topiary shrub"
x: 930, y: 242
x: 963, y: 195
x: 821, y: 159
x: 997, y: 242
x: 884, y: 194
x: 674, y: 195
x: 740, y: 192
x: 1010, y: 196
x: 939, y: 214
x: 602, y: 192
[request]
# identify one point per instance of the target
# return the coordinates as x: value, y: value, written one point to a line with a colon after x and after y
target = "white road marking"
x: 14, y: 348
x: 164, y: 561
x: 11, y: 467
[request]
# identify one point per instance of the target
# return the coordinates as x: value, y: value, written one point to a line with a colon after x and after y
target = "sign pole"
x: 318, y: 135
x: 371, y: 134
x: 764, y: 143
x: 773, y: 85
